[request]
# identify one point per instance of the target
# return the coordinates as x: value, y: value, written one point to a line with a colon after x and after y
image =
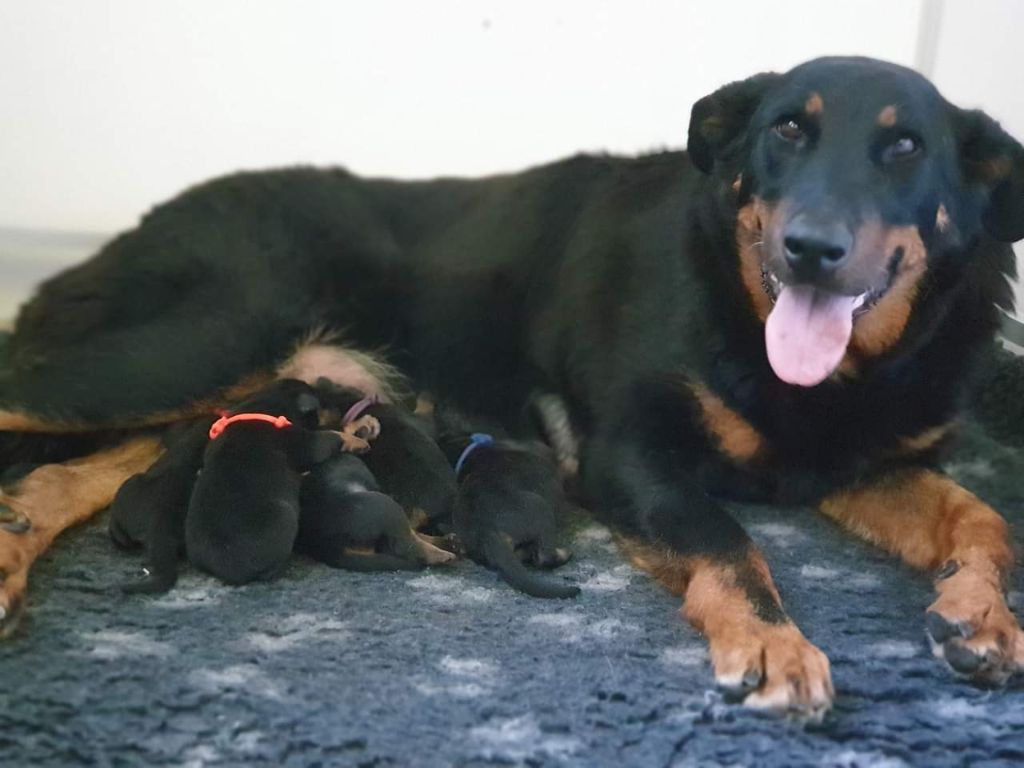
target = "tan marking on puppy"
x: 432, y: 554
x: 929, y: 520
x: 737, y: 183
x: 55, y: 497
x: 942, y: 219
x: 735, y: 436
x: 878, y: 329
x: 751, y: 222
x: 773, y: 665
x: 926, y: 440
x: 814, y: 104
x: 424, y: 406
x: 887, y: 117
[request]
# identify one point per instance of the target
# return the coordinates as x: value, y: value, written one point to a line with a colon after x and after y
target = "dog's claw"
x: 940, y: 629
x: 19, y: 525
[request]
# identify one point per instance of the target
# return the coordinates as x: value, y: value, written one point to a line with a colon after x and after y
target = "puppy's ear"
x: 992, y: 164
x: 719, y: 121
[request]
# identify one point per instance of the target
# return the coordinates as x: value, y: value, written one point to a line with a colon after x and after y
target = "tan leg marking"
x: 930, y: 521
x: 770, y: 665
x: 55, y: 497
x: 432, y: 554
x: 736, y: 437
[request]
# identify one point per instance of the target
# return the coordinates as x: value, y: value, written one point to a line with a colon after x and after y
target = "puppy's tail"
x: 501, y: 557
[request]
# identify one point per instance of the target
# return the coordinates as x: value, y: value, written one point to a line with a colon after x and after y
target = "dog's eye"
x: 900, y: 149
x: 790, y: 130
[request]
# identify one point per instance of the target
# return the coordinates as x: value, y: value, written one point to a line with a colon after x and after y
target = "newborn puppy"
x: 341, y: 508
x: 507, y: 507
x: 149, y: 509
x: 405, y: 460
x: 243, y: 517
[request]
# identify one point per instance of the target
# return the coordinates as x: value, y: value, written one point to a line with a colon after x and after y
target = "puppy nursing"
x: 279, y: 473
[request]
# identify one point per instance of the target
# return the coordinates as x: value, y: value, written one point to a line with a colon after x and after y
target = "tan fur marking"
x: 887, y: 117
x: 882, y: 326
x: 926, y: 519
x: 942, y: 219
x: 814, y: 104
x: 926, y: 440
x: 751, y: 221
x: 737, y: 183
x: 55, y: 497
x: 736, y: 437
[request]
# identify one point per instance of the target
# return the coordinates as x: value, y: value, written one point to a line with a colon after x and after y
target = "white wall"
x: 108, y: 106
x: 978, y: 64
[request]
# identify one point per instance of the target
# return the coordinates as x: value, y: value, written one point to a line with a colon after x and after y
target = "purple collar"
x: 357, y: 409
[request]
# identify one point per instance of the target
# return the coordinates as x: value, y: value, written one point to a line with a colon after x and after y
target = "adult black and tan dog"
x: 789, y: 311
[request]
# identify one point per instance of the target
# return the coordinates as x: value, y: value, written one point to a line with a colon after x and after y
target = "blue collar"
x: 475, y: 441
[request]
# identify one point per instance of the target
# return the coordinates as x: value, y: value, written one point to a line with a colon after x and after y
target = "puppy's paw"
x: 365, y: 427
x: 775, y: 668
x: 430, y: 553
x: 971, y: 628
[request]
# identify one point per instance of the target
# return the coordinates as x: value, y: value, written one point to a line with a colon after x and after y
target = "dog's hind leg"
x: 53, y: 498
x: 933, y: 523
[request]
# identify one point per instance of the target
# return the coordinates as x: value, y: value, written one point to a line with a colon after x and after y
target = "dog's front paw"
x: 774, y: 667
x: 972, y: 629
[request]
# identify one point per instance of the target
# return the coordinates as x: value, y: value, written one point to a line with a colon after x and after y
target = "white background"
x: 108, y: 106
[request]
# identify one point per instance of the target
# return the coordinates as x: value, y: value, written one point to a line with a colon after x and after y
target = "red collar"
x: 222, y: 423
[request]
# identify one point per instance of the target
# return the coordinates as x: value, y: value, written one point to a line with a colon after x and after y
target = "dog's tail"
x: 501, y: 557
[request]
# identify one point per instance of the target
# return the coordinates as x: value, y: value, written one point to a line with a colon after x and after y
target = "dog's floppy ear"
x: 992, y: 161
x: 718, y: 120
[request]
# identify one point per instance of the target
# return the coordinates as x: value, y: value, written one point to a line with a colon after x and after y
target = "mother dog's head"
x: 856, y: 185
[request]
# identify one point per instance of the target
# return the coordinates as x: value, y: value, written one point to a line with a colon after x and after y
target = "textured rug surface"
x: 451, y: 667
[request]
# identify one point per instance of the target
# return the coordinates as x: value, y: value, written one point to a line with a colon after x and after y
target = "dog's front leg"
x: 672, y: 529
x: 55, y: 497
x: 932, y: 523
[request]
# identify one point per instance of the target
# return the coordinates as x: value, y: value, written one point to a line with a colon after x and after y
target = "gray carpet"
x: 451, y: 667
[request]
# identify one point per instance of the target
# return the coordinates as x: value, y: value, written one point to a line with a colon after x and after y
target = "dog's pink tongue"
x: 807, y: 333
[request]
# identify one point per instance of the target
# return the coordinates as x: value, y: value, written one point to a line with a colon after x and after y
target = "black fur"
x: 405, y: 460
x: 150, y: 508
x: 243, y: 516
x: 342, y: 506
x: 507, y: 510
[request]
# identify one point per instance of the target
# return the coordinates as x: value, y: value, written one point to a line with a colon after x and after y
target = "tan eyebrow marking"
x: 887, y: 117
x: 814, y: 104
x: 942, y: 218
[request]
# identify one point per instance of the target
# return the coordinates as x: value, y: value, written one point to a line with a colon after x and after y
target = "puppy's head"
x: 285, y: 397
x: 854, y: 180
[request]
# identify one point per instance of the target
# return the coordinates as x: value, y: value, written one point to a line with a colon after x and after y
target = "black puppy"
x: 342, y: 508
x: 509, y: 497
x: 149, y: 509
x: 404, y: 459
x: 243, y: 517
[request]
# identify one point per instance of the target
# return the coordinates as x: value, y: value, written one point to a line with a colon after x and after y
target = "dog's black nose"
x: 815, y: 245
